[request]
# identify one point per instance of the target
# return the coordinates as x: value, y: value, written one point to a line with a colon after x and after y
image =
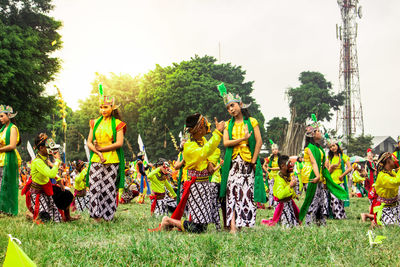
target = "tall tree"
x: 27, y: 36
x: 357, y: 146
x: 314, y: 95
x: 170, y: 94
x: 276, y: 129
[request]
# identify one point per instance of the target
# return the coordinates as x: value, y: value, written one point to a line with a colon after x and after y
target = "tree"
x: 357, y: 146
x: 170, y: 94
x: 314, y: 95
x: 276, y: 129
x: 26, y: 37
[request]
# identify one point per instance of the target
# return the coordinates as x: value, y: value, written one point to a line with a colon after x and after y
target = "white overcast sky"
x: 272, y: 40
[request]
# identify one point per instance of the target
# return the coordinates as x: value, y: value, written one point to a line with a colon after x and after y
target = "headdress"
x: 41, y: 141
x: 382, y: 159
x: 106, y: 100
x: 273, y: 145
x: 229, y: 97
x: 355, y: 166
x: 313, y: 126
x: 8, y: 110
x: 201, y: 121
x: 141, y: 153
x: 332, y: 140
x: 369, y: 151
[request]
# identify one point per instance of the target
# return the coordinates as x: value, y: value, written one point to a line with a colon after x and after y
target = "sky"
x: 274, y: 41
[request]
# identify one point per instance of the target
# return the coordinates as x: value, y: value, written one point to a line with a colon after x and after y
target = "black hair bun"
x: 192, y: 120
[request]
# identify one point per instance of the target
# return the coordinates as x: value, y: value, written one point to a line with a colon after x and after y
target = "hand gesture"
x: 315, y: 180
x: 246, y: 132
x: 293, y: 182
x: 220, y: 126
x: 56, y: 154
x: 96, y: 145
x: 102, y: 159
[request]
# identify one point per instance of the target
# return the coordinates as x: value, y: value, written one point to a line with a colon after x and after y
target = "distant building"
x: 383, y: 144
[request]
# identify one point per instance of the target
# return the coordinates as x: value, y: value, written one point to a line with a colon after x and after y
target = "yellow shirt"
x: 356, y: 177
x: 242, y: 148
x: 387, y: 184
x: 214, y: 159
x: 80, y: 181
x: 104, y: 137
x: 3, y: 143
x: 282, y: 188
x: 338, y: 170
x: 307, y: 167
x: 196, y: 155
x: 41, y: 173
x: 275, y: 164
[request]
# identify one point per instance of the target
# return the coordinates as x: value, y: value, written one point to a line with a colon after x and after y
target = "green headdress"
x: 229, y: 97
x: 8, y: 110
x: 273, y: 145
x: 313, y: 126
x: 106, y: 100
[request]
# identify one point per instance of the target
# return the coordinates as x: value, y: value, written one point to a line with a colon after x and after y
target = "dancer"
x: 141, y: 168
x: 10, y: 161
x: 81, y: 197
x: 339, y: 166
x: 358, y: 179
x: 214, y: 168
x: 273, y: 170
x: 286, y: 212
x: 314, y: 209
x: 160, y: 202
x: 242, y: 179
x: 396, y: 152
x: 387, y: 188
x: 48, y: 201
x: 371, y: 170
x: 197, y: 192
x: 106, y: 169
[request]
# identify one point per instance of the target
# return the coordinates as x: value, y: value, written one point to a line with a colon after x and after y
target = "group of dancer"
x: 205, y: 183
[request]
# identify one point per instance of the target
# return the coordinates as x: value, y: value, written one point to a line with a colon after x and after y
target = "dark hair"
x: 39, y: 142
x: 282, y: 160
x: 310, y: 140
x: 115, y: 113
x: 192, y: 120
x: 331, y: 154
x: 397, y: 148
x: 245, y: 113
x: 273, y: 157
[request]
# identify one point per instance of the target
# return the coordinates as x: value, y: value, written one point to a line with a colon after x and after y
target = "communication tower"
x: 350, y: 117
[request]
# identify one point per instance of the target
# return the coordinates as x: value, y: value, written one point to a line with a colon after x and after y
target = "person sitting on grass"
x: 160, y: 202
x: 286, y: 212
x: 387, y: 188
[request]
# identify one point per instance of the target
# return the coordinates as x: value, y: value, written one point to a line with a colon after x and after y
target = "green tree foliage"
x: 169, y: 94
x: 357, y: 146
x: 314, y: 95
x: 26, y: 36
x: 276, y: 130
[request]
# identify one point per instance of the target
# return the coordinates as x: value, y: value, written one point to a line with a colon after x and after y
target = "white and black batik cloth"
x: 318, y: 210
x: 46, y: 206
x: 272, y: 202
x: 165, y: 205
x: 215, y: 204
x: 390, y: 216
x: 239, y: 194
x: 199, y: 202
x: 288, y: 217
x: 337, y: 207
x: 103, y: 191
x: 82, y: 203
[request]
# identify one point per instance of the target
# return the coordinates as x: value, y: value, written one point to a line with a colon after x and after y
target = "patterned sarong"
x: 337, y: 206
x: 103, y: 192
x: 47, y: 207
x: 215, y: 204
x: 318, y: 210
x: 239, y: 195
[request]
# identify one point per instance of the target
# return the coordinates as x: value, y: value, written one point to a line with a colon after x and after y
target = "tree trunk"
x: 294, y: 139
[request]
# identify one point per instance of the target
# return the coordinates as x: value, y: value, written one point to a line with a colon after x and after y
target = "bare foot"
x: 363, y: 217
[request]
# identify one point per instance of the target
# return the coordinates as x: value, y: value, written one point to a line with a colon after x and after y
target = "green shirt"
x: 157, y: 185
x: 41, y: 173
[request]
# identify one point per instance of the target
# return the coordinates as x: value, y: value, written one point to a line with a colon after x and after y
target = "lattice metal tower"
x: 350, y: 118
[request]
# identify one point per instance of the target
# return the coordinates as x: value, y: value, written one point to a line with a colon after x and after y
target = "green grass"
x: 126, y: 242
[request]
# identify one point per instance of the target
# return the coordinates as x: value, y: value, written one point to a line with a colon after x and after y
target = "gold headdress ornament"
x: 332, y: 140
x: 229, y: 97
x: 106, y: 100
x: 313, y: 126
x: 382, y: 159
x: 8, y: 110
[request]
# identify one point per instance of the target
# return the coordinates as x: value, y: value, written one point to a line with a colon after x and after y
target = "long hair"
x: 245, y: 113
x: 116, y: 114
x: 339, y: 152
x: 273, y: 156
x: 310, y: 140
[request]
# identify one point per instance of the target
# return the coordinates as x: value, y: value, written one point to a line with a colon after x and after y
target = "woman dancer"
x: 106, y: 169
x: 273, y: 169
x: 10, y: 162
x: 242, y: 179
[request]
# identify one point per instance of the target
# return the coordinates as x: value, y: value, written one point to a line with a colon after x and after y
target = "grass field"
x: 126, y: 242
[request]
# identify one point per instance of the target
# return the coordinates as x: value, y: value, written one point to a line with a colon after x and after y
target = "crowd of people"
x: 192, y: 190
